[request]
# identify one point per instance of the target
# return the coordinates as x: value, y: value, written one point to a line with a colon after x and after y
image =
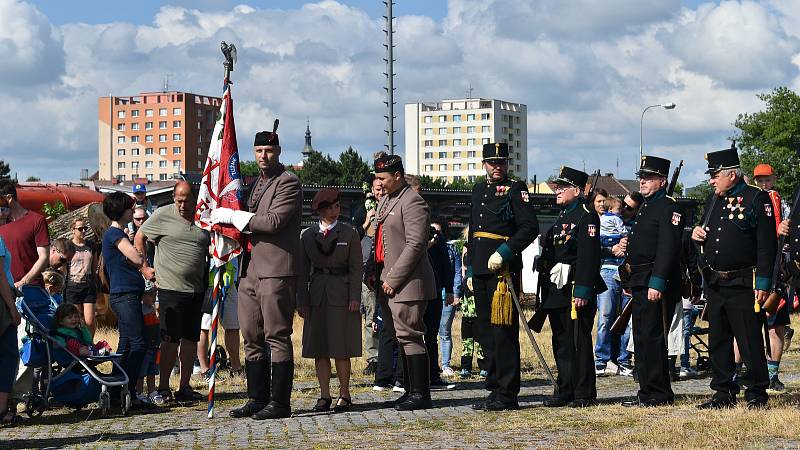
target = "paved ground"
x: 370, y: 424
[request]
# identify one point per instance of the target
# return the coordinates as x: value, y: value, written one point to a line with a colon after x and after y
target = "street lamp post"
x: 641, y: 124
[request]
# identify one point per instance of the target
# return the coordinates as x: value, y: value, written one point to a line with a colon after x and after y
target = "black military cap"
x: 573, y: 177
x: 723, y: 159
x: 653, y: 165
x: 495, y: 151
x: 389, y: 163
x: 268, y: 137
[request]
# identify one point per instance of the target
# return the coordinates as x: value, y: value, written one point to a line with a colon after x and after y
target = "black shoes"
x: 757, y: 404
x: 279, y: 407
x: 418, y: 388
x: 648, y: 403
x: 372, y: 366
x: 556, y: 402
x: 258, y: 379
x: 718, y: 403
x: 496, y: 405
x: 583, y: 403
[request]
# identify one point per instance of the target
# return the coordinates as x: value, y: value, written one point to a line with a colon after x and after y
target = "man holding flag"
x: 267, y: 290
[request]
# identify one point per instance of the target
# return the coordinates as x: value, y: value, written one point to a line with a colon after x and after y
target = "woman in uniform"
x: 329, y: 298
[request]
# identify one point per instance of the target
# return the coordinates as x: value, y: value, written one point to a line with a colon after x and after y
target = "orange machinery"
x: 34, y: 195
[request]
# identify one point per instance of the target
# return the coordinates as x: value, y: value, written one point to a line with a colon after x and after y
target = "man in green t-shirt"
x: 180, y: 274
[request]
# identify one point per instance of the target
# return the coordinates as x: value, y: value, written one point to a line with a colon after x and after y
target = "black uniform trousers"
x: 500, y: 343
x: 574, y: 352
x: 731, y: 315
x: 390, y: 365
x: 650, y: 346
x: 432, y: 318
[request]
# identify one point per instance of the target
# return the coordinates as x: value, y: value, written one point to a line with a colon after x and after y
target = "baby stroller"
x: 699, y: 335
x: 59, y: 375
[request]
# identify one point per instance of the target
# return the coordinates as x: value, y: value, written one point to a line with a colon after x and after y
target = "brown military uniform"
x: 329, y: 281
x: 405, y: 220
x: 269, y: 273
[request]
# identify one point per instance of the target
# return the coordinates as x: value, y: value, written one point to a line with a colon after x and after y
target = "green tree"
x: 678, y: 188
x: 352, y: 168
x: 5, y: 170
x: 772, y: 136
x: 248, y: 168
x: 700, y: 193
x: 428, y: 182
x: 32, y: 179
x: 320, y: 170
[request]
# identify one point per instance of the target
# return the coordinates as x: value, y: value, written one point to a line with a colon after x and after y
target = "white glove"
x: 495, y: 262
x: 239, y: 219
x: 469, y: 283
x: 559, y: 275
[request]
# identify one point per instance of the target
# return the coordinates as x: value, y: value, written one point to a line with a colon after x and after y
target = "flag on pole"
x: 221, y: 188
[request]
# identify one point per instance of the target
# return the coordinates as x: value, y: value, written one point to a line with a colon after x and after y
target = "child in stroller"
x: 73, y: 335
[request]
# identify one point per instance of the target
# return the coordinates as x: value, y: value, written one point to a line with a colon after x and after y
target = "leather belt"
x: 487, y: 235
x: 733, y: 274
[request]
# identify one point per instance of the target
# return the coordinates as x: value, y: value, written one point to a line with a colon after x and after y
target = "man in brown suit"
x: 407, y: 280
x: 268, y: 281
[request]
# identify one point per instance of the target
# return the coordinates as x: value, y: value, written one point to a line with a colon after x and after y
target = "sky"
x: 584, y: 68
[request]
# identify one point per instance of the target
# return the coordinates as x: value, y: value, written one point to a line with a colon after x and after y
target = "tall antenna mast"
x: 389, y: 31
x: 469, y: 91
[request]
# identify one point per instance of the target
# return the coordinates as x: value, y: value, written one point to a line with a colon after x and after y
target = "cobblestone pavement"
x: 370, y: 424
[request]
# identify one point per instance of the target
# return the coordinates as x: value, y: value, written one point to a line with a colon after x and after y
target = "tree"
x: 32, y: 178
x: 772, y: 136
x: 248, y: 168
x: 678, y: 188
x: 427, y: 182
x: 701, y: 192
x: 352, y: 168
x: 320, y: 170
x: 5, y: 170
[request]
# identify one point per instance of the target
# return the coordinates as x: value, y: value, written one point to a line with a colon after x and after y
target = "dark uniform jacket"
x: 574, y: 239
x: 793, y: 240
x: 740, y: 235
x: 502, y: 208
x: 655, y: 244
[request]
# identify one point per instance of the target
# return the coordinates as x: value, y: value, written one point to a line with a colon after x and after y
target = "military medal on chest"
x: 502, y: 191
x: 566, y: 232
x: 735, y: 208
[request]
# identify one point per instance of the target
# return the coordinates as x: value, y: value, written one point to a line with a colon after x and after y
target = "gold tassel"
x: 756, y: 305
x: 573, y: 312
x: 502, y: 303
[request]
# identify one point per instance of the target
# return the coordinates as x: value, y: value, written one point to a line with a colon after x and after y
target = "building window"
x: 511, y: 137
x: 471, y: 141
x: 516, y: 130
x: 176, y: 111
x: 148, y: 151
x: 516, y: 119
x: 199, y: 113
x: 162, y: 138
x: 442, y: 119
x: 429, y: 143
x: 134, y: 152
x: 442, y: 142
x: 148, y: 138
x: 176, y: 124
x: 428, y: 131
x: 199, y: 165
x: 176, y: 164
x: 443, y: 130
x: 149, y: 177
x: 456, y: 142
x: 162, y: 125
x: 148, y: 125
x: 456, y: 166
x: 485, y: 129
x: 177, y: 137
x: 456, y: 130
x: 470, y: 116
x: 120, y: 152
x: 517, y: 143
x: 471, y: 166
x: 199, y: 151
x: 456, y: 154
x: 120, y: 139
x: 517, y: 155
x: 485, y: 116
x: 176, y: 150
x: 134, y: 138
x: 162, y: 111
x: 121, y: 114
x: 442, y: 154
x: 162, y: 151
x: 427, y: 119
x: 510, y: 148
x: 162, y: 177
x: 485, y: 140
x: 135, y: 113
x: 456, y: 117
x: 428, y: 167
x: 135, y: 165
x: 470, y: 129
x: 472, y: 178
x: 428, y: 155
x: 471, y: 154
x: 120, y: 165
x: 148, y: 112
x: 148, y: 164
x: 199, y: 125
x: 120, y: 127
x: 442, y: 167
x: 162, y: 164
x: 134, y: 126
x: 120, y: 177
x: 518, y: 169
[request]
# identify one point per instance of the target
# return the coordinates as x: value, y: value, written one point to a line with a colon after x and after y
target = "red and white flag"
x: 222, y: 184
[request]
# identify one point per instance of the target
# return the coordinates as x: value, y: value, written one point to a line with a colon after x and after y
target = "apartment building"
x: 154, y: 135
x: 444, y: 140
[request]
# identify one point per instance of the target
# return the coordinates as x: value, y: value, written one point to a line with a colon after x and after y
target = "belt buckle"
x: 724, y: 275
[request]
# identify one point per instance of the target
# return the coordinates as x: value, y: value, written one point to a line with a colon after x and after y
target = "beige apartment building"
x: 444, y: 140
x: 154, y: 135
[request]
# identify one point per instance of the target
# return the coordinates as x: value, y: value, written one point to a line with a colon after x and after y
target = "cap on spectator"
x: 763, y: 170
x: 325, y: 198
x: 138, y: 187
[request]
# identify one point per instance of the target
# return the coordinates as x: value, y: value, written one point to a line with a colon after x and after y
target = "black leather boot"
x: 257, y: 373
x: 419, y: 392
x: 401, y: 360
x: 279, y: 406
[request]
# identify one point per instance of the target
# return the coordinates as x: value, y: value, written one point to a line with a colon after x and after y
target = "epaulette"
x: 671, y: 198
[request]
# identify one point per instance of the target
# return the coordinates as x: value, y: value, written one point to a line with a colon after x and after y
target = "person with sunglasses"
x: 80, y: 289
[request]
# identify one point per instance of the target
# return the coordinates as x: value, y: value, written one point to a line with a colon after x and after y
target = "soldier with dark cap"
x: 737, y: 251
x: 654, y: 280
x: 268, y: 282
x: 406, y: 281
x: 502, y: 224
x: 569, y: 271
